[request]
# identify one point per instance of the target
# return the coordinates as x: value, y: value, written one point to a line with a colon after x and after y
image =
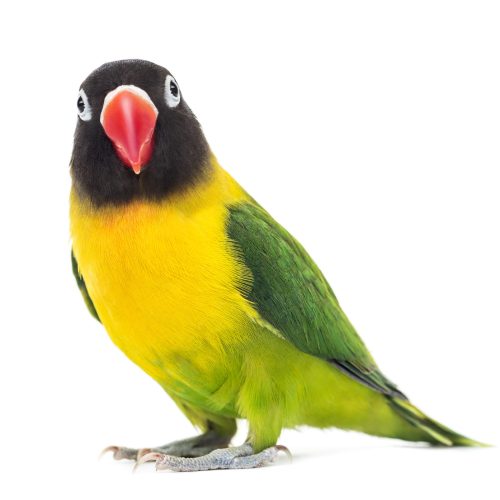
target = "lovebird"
x: 200, y: 287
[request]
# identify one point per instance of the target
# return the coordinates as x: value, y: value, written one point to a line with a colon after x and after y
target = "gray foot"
x: 192, y: 447
x: 237, y: 457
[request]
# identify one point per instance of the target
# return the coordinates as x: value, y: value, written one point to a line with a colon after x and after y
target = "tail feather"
x: 437, y: 433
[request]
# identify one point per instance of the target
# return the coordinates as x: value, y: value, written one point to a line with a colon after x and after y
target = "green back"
x: 292, y: 295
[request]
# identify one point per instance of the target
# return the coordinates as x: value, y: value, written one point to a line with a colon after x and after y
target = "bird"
x: 200, y: 287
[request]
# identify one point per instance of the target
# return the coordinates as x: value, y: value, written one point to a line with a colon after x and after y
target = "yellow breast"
x: 163, y: 276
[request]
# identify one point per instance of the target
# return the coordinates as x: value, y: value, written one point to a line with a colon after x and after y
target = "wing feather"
x: 83, y: 288
x: 292, y: 295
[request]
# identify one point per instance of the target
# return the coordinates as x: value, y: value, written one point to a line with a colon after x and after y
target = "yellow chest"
x: 163, y: 277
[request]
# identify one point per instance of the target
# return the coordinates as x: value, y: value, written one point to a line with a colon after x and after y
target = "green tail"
x: 436, y: 432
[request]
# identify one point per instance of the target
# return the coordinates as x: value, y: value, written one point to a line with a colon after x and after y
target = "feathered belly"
x: 165, y: 286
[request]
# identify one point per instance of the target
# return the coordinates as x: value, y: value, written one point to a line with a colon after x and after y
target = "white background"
x: 369, y: 129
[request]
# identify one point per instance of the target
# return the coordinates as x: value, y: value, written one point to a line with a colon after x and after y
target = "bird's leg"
x: 237, y: 457
x: 213, y: 439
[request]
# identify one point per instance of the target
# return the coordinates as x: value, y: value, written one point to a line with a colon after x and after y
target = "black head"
x: 145, y: 144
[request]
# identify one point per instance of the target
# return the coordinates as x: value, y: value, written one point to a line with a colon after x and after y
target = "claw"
x: 285, y: 450
x: 119, y: 453
x: 148, y: 457
x: 142, y: 452
x: 113, y: 449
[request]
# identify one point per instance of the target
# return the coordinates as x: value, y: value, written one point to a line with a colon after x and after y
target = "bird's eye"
x: 80, y: 105
x: 172, y: 92
x: 84, y: 109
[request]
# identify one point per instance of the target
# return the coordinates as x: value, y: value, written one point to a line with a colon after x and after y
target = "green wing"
x: 292, y: 295
x: 83, y: 288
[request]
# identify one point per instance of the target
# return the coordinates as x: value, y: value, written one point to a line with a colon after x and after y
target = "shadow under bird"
x: 198, y: 285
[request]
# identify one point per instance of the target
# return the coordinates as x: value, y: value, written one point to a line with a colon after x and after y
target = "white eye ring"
x: 171, y: 87
x: 84, y: 109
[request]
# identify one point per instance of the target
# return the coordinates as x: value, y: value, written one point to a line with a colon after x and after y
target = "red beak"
x: 129, y: 118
